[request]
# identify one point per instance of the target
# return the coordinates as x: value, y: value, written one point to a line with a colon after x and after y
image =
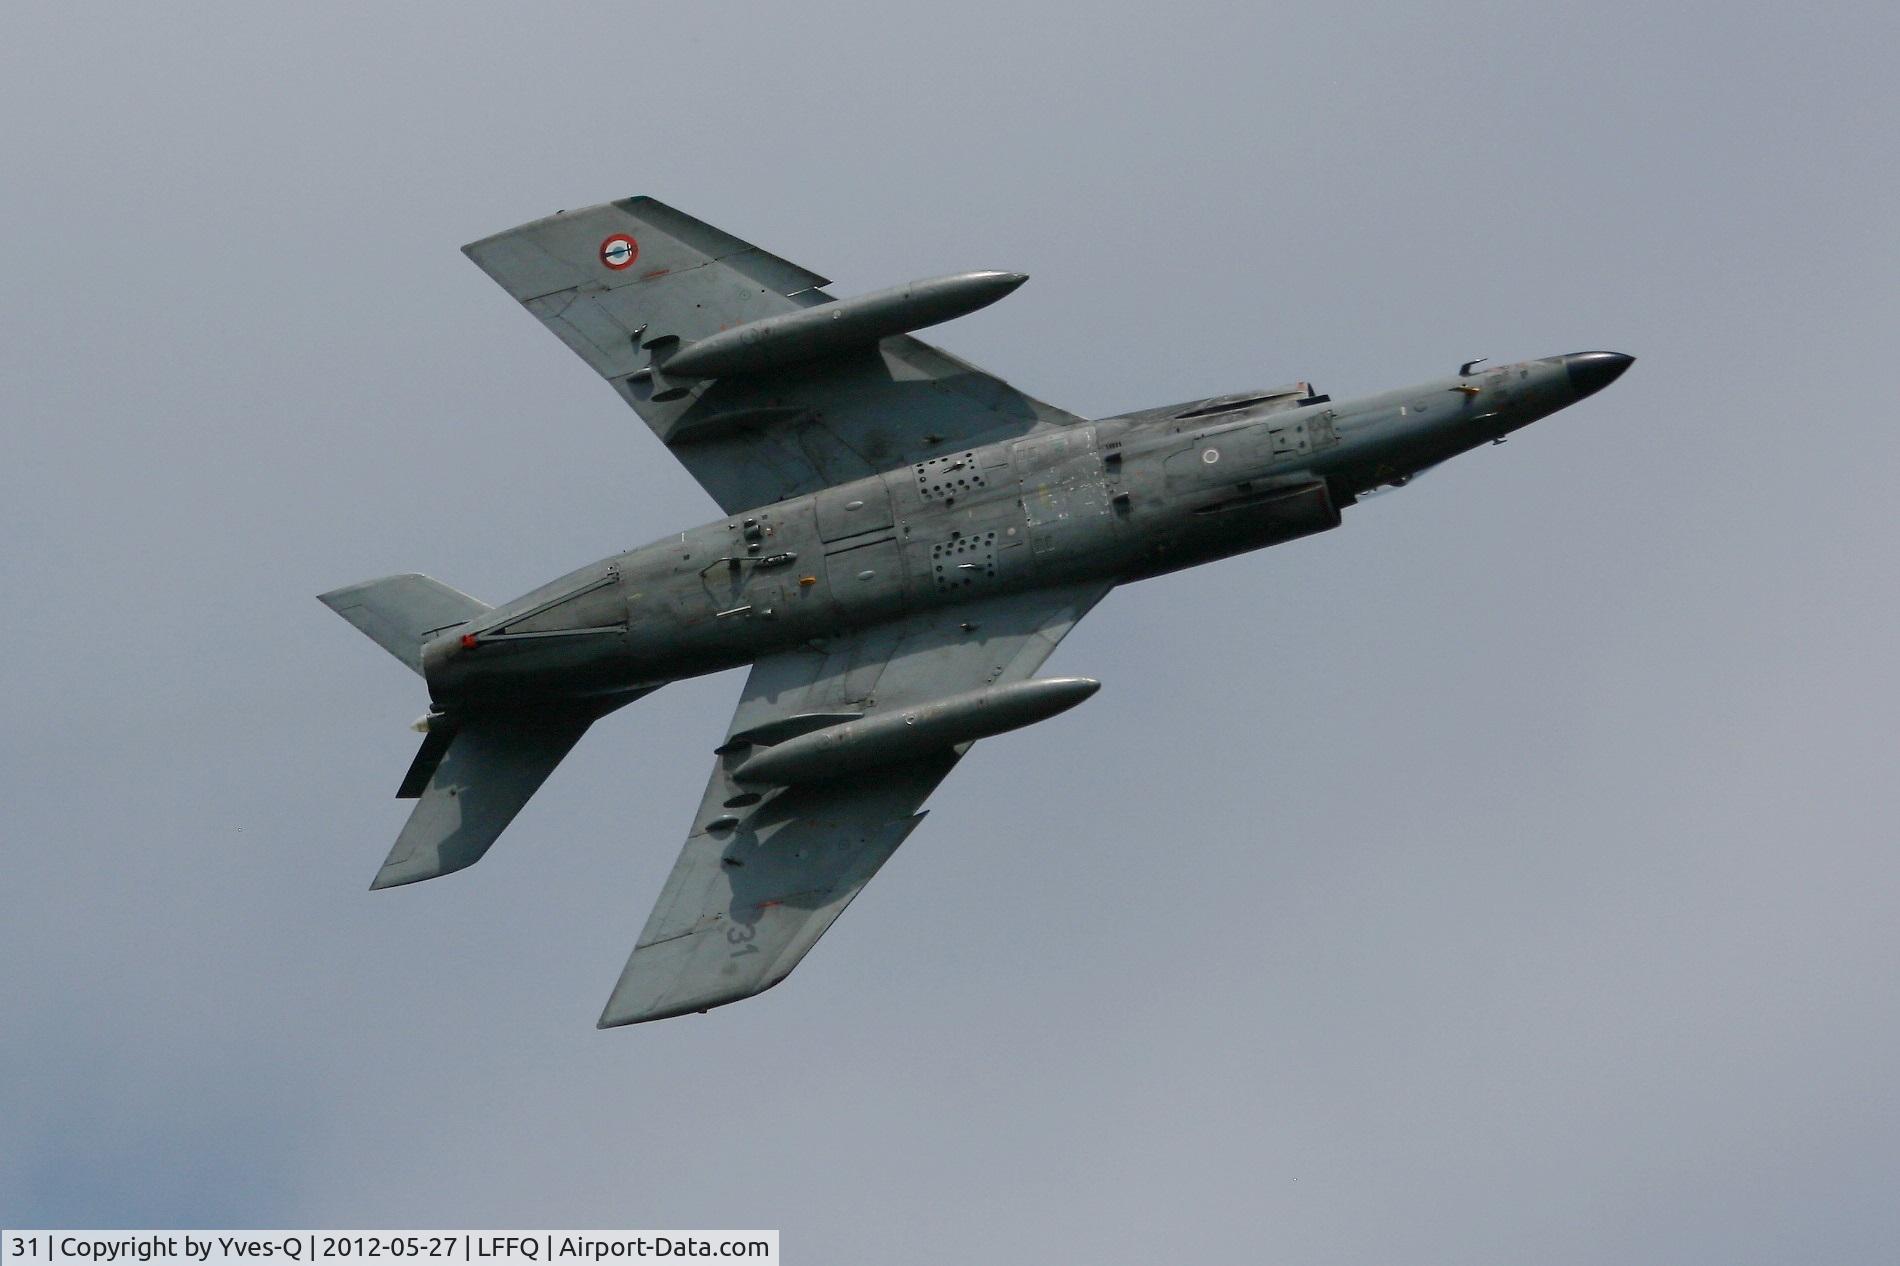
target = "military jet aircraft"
x: 904, y: 541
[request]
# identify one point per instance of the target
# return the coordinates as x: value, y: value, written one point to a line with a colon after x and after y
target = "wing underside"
x: 625, y: 282
x: 761, y: 878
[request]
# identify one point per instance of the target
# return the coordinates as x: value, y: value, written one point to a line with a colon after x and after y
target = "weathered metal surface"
x: 750, y: 439
x: 906, y: 541
x: 747, y: 897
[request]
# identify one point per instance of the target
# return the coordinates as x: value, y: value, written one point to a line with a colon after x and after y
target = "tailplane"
x: 475, y: 770
x: 484, y: 774
x: 400, y: 613
x: 474, y: 775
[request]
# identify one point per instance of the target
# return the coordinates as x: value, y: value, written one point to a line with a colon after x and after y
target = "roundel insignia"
x: 619, y: 251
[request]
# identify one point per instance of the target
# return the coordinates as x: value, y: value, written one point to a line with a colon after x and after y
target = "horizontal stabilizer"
x: 400, y: 613
x: 491, y: 768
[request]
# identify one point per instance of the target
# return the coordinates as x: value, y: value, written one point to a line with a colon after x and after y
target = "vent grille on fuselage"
x: 961, y: 561
x: 942, y: 478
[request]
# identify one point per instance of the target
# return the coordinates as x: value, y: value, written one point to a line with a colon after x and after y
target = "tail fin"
x: 473, y: 776
x: 400, y: 613
x: 485, y: 774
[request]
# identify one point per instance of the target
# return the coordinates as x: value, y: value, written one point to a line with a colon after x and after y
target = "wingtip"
x: 342, y: 596
x: 608, y: 1020
x: 402, y: 874
x: 619, y: 1017
x: 611, y: 1021
x: 346, y: 595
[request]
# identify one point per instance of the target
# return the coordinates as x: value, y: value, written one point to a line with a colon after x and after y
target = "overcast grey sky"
x: 1509, y: 876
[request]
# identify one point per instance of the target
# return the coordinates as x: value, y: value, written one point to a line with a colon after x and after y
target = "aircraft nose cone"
x: 1591, y: 372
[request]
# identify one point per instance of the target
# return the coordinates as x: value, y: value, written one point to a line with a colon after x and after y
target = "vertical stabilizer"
x: 490, y: 769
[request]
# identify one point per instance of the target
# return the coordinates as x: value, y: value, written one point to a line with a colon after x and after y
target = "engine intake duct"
x: 829, y: 328
x: 901, y: 734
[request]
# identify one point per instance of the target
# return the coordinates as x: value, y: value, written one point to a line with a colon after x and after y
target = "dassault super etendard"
x: 904, y: 541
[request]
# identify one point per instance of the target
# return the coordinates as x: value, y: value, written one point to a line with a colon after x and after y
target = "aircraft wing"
x: 760, y: 879
x: 617, y: 281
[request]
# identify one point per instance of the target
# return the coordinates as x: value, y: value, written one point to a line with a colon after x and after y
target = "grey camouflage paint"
x: 930, y: 535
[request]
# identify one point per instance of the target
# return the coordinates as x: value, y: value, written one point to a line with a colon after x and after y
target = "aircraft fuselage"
x: 1114, y: 500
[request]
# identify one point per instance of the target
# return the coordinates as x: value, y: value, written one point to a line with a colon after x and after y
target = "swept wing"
x: 761, y: 878
x: 627, y: 283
